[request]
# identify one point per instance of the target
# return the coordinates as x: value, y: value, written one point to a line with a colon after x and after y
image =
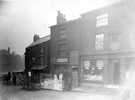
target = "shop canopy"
x: 39, y: 67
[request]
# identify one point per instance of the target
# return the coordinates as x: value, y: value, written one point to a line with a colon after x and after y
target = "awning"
x: 39, y: 67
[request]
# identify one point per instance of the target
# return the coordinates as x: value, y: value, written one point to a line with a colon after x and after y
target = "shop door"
x: 116, y: 72
x: 74, y: 78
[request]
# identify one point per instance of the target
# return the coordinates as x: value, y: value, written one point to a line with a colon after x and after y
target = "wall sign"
x: 86, y: 64
x: 100, y: 63
x: 114, y: 45
x: 62, y: 60
x: 73, y: 57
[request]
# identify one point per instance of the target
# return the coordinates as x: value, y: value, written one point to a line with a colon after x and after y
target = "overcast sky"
x: 21, y: 19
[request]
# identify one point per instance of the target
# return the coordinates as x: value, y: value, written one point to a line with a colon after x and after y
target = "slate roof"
x: 41, y: 40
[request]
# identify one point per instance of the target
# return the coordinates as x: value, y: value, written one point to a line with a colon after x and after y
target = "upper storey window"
x: 99, y: 41
x: 102, y: 20
x: 63, y: 34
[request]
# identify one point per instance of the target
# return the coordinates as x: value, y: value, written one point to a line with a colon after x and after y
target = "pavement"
x: 96, y: 89
x: 18, y: 93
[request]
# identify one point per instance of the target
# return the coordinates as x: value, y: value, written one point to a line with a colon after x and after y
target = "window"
x: 93, y: 70
x: 99, y: 41
x: 41, y: 60
x: 41, y: 49
x: 62, y: 53
x: 62, y: 49
x: 63, y: 34
x: 115, y: 41
x: 102, y: 20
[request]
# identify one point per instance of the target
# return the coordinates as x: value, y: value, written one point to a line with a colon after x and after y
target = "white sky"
x: 21, y: 19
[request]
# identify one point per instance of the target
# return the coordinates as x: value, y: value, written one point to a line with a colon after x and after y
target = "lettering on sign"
x: 62, y: 60
x: 100, y: 63
x: 86, y: 64
x: 115, y: 45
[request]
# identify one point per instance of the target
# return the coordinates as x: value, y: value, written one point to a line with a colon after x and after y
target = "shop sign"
x: 73, y: 57
x: 86, y: 64
x: 100, y: 63
x: 115, y: 45
x: 62, y: 60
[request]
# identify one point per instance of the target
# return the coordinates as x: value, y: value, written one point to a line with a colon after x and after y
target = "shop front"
x: 92, y: 71
x: 107, y: 69
x: 36, y: 73
x: 62, y: 67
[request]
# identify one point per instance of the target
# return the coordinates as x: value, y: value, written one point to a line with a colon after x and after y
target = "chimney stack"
x: 36, y: 37
x: 61, y: 18
x: 9, y: 49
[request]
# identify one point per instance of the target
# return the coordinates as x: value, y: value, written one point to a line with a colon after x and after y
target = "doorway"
x: 116, y: 72
x: 74, y: 78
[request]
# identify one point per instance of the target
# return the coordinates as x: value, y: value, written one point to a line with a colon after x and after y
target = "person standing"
x: 67, y: 80
x: 14, y: 79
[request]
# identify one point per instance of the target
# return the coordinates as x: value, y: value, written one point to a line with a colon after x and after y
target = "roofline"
x: 38, y: 40
x: 101, y: 8
x: 67, y: 22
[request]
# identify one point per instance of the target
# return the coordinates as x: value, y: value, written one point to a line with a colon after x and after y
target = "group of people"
x: 12, y: 79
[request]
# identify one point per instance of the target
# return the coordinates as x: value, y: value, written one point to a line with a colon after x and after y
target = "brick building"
x: 107, y: 49
x: 65, y: 46
x: 37, y: 58
x: 10, y: 62
x: 98, y: 46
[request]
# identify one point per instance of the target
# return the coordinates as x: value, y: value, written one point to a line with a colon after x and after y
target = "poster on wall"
x: 86, y: 64
x: 100, y: 63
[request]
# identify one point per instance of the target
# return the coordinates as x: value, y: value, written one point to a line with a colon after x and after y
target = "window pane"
x: 102, y: 20
x: 63, y: 36
x: 62, y: 47
x: 99, y: 41
x: 62, y: 53
x: 63, y: 31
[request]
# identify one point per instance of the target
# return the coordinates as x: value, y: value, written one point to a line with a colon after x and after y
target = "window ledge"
x: 101, y: 26
x: 100, y: 50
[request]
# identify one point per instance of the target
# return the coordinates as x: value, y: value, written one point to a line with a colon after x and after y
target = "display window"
x: 93, y: 70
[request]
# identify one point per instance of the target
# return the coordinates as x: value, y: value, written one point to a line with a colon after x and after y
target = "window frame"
x: 99, y: 41
x: 102, y: 20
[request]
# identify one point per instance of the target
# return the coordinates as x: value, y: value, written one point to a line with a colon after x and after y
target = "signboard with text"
x: 62, y: 60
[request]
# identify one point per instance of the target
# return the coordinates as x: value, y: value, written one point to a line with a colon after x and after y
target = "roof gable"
x: 41, y: 40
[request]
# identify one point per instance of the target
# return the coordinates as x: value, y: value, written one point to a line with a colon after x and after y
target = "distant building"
x: 10, y: 62
x: 37, y: 58
x: 99, y: 46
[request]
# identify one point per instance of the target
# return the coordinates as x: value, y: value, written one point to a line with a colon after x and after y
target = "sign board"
x: 62, y: 60
x: 100, y: 63
x: 73, y: 57
x: 115, y: 45
x: 86, y: 64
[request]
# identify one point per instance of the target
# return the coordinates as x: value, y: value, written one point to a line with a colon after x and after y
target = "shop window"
x: 93, y: 70
x: 102, y: 20
x: 99, y: 41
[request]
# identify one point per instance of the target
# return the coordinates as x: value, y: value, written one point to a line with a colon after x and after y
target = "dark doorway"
x: 116, y: 72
